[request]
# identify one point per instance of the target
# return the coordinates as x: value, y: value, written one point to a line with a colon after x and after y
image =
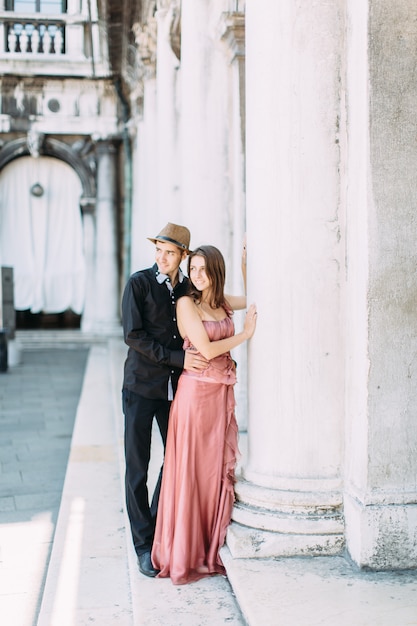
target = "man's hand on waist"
x: 194, y: 362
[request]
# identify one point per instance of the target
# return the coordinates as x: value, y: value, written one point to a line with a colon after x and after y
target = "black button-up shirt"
x: 155, y: 357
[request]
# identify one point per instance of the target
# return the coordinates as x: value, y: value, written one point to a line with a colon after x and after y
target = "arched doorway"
x: 41, y: 237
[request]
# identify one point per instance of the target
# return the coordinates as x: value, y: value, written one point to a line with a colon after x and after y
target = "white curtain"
x: 42, y: 237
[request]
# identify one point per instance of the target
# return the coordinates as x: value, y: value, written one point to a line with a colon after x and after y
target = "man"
x: 153, y: 365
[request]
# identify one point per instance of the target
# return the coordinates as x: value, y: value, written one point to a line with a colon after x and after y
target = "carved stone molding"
x: 175, y: 29
x: 173, y: 9
x: 134, y: 70
x: 232, y: 32
x: 148, y: 9
x: 34, y: 142
x: 146, y: 42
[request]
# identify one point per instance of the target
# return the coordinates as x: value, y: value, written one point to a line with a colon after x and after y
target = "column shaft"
x: 232, y: 29
x: 289, y: 501
x: 146, y: 220
x: 107, y: 300
x: 381, y: 398
x: 204, y: 118
x: 168, y: 122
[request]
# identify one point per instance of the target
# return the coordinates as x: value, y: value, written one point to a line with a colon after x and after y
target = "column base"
x: 253, y: 543
x: 382, y: 535
x: 272, y: 523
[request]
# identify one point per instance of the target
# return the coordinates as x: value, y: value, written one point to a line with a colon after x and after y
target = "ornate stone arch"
x: 48, y: 146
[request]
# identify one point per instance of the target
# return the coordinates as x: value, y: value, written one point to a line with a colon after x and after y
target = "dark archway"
x: 81, y: 158
x: 59, y: 150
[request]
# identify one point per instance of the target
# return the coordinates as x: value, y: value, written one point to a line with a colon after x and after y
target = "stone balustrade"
x: 29, y: 36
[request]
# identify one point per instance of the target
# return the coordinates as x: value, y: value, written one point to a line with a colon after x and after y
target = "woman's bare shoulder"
x: 185, y: 301
x: 186, y: 304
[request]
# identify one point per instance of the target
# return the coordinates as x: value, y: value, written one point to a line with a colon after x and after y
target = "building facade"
x: 293, y: 122
x: 59, y: 145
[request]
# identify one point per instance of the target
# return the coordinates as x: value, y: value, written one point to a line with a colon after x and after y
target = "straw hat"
x: 172, y: 233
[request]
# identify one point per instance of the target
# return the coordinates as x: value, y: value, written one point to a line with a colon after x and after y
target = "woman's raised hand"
x: 250, y: 321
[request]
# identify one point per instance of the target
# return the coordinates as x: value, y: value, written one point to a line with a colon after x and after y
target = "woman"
x: 197, y: 493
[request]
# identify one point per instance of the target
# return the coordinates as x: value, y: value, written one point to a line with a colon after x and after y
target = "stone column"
x: 290, y: 496
x: 381, y: 460
x: 232, y: 29
x: 145, y: 218
x: 107, y: 302
x: 87, y: 320
x: 2, y: 31
x: 205, y: 184
x: 169, y: 207
x: 232, y: 32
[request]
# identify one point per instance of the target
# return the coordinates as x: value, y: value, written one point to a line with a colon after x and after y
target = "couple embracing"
x: 178, y: 370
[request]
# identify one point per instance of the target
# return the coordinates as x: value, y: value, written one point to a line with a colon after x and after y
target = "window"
x: 49, y: 7
x: 35, y: 27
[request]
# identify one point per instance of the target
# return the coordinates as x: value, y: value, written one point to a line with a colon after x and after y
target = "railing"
x: 68, y: 42
x: 41, y: 36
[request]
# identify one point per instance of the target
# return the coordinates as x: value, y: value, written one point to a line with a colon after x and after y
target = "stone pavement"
x: 38, y: 402
x: 78, y: 567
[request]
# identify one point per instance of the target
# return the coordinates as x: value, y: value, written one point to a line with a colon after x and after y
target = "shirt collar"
x: 162, y: 278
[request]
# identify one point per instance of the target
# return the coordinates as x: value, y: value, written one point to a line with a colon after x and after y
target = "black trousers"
x: 139, y: 413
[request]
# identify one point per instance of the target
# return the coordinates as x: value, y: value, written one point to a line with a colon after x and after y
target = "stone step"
x: 92, y: 574
x: 87, y: 578
x: 35, y: 339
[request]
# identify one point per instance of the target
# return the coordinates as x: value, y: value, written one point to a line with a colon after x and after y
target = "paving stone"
x: 10, y: 482
x: 7, y: 504
x: 38, y: 402
x: 38, y: 501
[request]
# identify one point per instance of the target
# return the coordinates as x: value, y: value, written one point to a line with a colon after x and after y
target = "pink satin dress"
x: 197, y: 494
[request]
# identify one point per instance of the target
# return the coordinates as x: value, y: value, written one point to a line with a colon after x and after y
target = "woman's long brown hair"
x: 216, y: 272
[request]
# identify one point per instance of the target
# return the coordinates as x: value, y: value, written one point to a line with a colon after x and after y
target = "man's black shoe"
x: 145, y: 565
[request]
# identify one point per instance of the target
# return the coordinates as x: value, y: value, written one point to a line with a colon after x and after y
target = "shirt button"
x: 174, y: 319
x: 175, y: 336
